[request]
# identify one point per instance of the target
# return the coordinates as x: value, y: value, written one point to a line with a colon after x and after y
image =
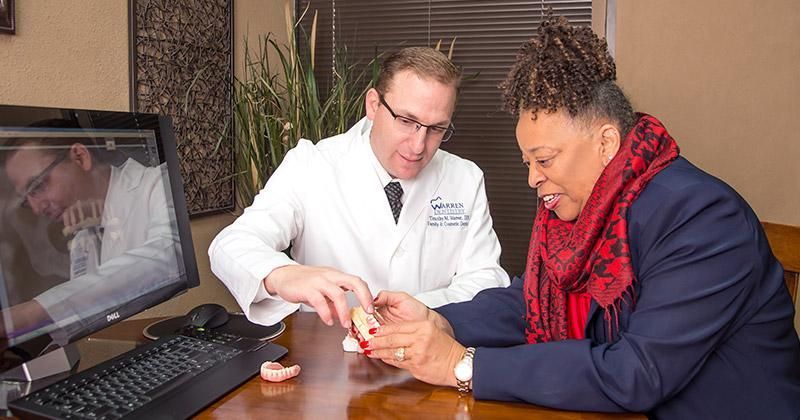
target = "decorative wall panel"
x: 7, y: 21
x: 182, y: 66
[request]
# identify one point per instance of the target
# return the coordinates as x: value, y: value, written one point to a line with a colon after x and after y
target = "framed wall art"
x: 7, y: 24
x: 181, y: 65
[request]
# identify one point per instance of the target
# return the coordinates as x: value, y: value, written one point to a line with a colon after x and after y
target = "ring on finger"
x: 400, y: 354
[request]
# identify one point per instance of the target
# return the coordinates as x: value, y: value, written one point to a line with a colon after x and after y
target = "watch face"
x: 463, y: 371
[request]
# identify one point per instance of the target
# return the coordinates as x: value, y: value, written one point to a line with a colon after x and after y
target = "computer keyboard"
x: 173, y: 377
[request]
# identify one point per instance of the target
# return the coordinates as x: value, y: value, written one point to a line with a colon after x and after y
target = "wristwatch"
x: 463, y: 371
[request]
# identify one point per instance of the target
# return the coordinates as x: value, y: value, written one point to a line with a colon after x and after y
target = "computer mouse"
x: 208, y: 315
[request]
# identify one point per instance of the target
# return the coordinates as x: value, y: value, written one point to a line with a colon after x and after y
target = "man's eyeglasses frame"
x: 36, y: 182
x: 447, y: 132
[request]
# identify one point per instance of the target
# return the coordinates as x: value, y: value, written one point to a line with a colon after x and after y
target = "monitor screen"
x: 94, y: 225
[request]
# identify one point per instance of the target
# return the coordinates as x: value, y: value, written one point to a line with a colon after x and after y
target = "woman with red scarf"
x: 649, y: 287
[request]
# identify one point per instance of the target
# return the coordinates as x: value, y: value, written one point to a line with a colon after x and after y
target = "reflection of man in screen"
x: 122, y: 233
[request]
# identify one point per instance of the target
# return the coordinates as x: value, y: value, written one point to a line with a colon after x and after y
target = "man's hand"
x: 322, y: 288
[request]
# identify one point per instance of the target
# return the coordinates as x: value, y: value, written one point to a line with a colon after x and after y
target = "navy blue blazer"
x: 710, y: 337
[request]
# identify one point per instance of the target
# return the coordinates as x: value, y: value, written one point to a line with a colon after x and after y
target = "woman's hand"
x: 421, y: 347
x: 397, y: 307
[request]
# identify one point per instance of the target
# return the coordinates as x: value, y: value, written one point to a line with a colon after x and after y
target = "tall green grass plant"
x: 275, y: 107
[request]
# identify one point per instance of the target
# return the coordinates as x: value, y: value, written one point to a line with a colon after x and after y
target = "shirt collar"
x: 380, y: 171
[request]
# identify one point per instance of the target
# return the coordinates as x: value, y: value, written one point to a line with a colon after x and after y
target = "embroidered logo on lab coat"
x: 447, y: 214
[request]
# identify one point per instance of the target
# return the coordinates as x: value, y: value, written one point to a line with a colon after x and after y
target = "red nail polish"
x: 373, y: 331
x: 367, y: 352
x: 364, y: 344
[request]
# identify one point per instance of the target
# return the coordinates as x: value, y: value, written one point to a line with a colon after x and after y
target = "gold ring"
x: 400, y: 354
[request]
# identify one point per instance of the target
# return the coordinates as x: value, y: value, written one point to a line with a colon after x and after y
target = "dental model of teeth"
x: 275, y: 372
x: 363, y: 322
x: 350, y: 344
x: 81, y: 215
x: 359, y: 331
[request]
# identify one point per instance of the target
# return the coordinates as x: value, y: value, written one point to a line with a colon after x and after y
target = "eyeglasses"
x: 37, y: 186
x: 407, y: 125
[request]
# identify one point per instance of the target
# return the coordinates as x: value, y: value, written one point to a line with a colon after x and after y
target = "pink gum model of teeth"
x: 275, y: 372
x: 363, y: 322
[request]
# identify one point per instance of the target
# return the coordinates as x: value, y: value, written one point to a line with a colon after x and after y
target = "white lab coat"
x: 328, y: 201
x: 137, y: 252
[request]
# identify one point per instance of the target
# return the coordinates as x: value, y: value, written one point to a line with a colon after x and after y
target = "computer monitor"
x: 93, y: 226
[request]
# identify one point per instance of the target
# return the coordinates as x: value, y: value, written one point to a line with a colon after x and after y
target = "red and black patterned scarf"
x: 592, y: 255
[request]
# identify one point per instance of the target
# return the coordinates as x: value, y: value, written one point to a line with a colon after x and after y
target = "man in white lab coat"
x: 379, y: 207
x: 122, y: 230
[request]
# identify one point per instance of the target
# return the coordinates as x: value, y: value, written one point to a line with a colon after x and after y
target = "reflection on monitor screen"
x: 90, y: 207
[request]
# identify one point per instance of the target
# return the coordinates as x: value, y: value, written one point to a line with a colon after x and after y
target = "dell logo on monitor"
x: 112, y: 316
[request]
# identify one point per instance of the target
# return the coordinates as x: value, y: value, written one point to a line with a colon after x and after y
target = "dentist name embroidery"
x: 447, y: 214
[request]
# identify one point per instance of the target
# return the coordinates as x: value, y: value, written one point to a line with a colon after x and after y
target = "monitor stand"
x: 60, y: 360
x: 18, y: 382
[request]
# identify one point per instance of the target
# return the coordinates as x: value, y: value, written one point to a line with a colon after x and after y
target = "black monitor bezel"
x: 178, y: 196
x: 166, y: 146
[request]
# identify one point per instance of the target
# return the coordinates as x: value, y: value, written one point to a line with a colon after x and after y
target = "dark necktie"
x: 393, y: 192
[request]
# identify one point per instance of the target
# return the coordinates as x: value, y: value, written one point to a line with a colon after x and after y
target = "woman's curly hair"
x: 566, y: 67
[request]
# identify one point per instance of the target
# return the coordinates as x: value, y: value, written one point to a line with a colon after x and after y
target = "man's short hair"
x: 425, y: 62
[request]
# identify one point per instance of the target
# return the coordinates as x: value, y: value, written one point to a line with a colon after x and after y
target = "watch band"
x: 465, y: 387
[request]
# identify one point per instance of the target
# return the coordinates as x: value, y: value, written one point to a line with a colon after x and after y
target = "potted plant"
x: 275, y: 107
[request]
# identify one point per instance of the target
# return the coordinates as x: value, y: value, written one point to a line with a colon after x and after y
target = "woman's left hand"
x: 420, y: 347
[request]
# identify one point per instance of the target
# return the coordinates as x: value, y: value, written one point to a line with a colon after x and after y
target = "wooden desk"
x: 334, y: 384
